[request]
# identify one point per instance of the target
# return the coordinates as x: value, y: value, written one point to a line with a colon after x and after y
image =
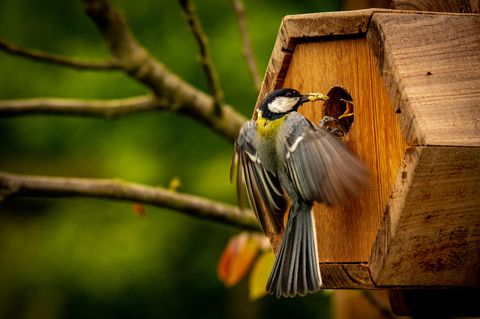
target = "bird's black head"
x: 283, y: 101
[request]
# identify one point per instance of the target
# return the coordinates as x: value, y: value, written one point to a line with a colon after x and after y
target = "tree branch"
x: 112, y: 108
x: 31, y: 186
x: 51, y: 58
x: 205, y: 59
x: 139, y: 64
x: 239, y: 10
x: 100, y: 108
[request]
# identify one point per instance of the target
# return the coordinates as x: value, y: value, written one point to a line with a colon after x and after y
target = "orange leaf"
x: 139, y: 210
x: 259, y: 276
x: 237, y: 258
x: 225, y: 260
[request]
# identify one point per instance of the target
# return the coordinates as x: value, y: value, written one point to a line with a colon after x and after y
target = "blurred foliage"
x: 79, y: 258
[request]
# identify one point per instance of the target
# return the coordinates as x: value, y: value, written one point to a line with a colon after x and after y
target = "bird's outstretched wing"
x: 319, y: 164
x: 264, y: 192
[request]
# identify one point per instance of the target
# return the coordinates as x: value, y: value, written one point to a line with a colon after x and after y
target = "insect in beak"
x: 312, y: 97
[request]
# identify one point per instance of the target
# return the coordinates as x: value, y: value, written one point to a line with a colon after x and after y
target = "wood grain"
x: 346, y: 275
x: 431, y: 68
x: 346, y: 233
x: 431, y: 232
x: 461, y: 6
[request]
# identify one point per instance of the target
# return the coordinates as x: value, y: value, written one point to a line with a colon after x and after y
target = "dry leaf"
x: 237, y: 258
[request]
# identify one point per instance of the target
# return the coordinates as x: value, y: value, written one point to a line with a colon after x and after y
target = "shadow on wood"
x: 435, y: 303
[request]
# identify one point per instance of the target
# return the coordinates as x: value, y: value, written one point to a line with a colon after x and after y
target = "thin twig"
x: 99, y: 108
x: 25, y: 185
x: 205, y: 58
x: 42, y: 56
x: 140, y: 65
x: 239, y: 10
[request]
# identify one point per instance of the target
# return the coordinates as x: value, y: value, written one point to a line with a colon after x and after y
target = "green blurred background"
x: 83, y: 258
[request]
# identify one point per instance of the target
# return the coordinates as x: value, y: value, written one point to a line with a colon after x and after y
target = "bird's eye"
x: 289, y: 94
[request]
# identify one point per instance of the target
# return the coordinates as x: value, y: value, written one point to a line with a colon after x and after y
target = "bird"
x: 286, y: 163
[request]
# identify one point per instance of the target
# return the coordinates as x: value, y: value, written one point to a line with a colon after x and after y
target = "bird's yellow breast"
x: 268, y: 128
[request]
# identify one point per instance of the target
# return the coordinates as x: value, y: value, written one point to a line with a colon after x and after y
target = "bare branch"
x: 32, y: 186
x: 140, y: 65
x: 51, y: 58
x: 205, y: 59
x: 247, y: 47
x: 108, y: 109
x: 99, y: 108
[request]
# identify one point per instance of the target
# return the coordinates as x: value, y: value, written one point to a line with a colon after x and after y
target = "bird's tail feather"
x: 296, y: 270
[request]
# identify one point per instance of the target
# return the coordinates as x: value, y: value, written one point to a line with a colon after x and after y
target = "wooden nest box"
x: 414, y: 80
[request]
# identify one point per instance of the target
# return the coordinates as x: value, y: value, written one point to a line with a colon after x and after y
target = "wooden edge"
x: 304, y: 27
x: 407, y: 120
x: 346, y: 276
x: 391, y: 219
x: 459, y: 6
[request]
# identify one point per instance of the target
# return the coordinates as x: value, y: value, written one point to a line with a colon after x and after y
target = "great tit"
x: 286, y: 162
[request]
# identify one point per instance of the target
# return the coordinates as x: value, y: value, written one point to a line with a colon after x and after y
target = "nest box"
x: 414, y: 82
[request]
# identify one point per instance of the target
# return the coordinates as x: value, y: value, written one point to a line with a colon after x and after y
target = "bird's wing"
x: 264, y: 192
x: 319, y: 164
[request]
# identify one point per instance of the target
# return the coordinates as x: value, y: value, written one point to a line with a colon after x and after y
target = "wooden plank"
x: 332, y: 24
x: 432, y: 73
x: 461, y: 6
x: 431, y: 232
x: 347, y: 233
x: 346, y: 275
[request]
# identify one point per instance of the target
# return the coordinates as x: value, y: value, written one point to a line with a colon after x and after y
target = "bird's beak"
x: 312, y: 97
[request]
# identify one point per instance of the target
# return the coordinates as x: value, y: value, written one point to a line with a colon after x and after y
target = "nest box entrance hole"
x: 339, y: 106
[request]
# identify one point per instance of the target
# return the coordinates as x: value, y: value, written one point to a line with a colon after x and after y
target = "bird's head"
x: 283, y: 101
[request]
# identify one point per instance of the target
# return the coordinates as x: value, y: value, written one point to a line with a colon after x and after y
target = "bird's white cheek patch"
x: 282, y: 104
